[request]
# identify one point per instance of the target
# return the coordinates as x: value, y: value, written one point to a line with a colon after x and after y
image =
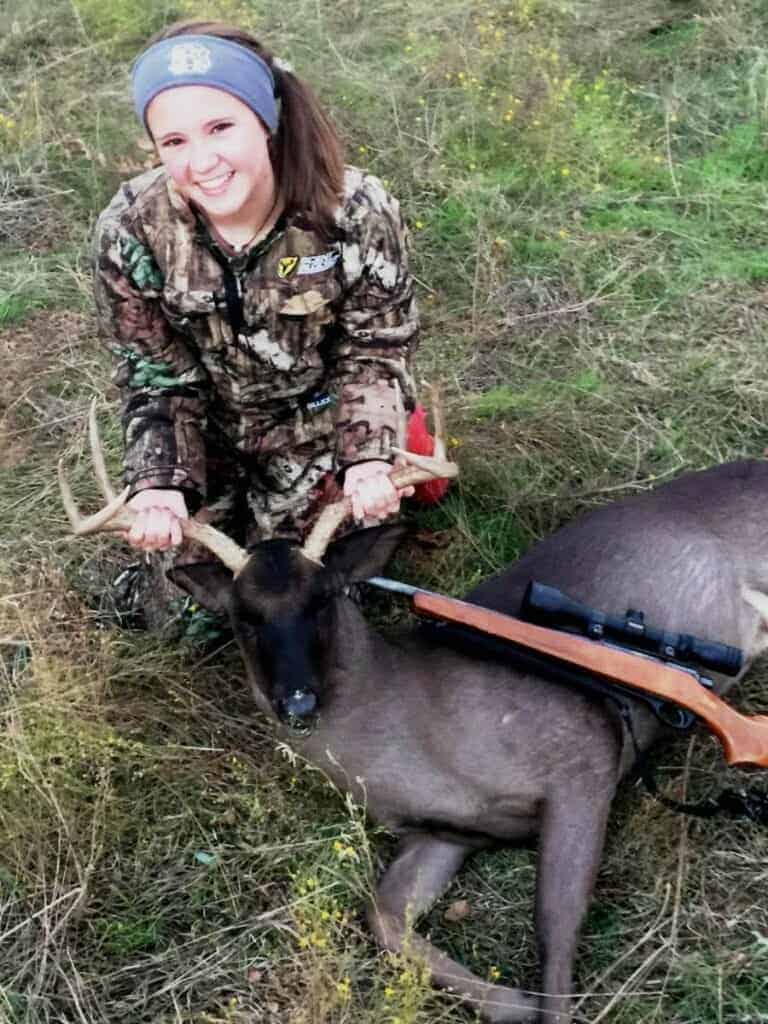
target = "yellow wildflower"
x: 344, y: 852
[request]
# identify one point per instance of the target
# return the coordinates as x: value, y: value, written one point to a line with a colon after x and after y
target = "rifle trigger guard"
x: 673, y: 715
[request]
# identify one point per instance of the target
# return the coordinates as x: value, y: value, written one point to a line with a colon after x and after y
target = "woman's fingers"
x: 155, y: 529
x: 370, y: 489
x: 158, y: 529
x: 157, y: 525
x: 135, y: 535
x: 377, y: 498
x: 176, y: 534
x: 357, y: 504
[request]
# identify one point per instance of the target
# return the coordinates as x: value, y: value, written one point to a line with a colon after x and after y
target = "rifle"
x: 744, y: 738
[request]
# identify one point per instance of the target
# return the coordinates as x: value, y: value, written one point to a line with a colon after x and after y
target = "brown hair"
x: 306, y: 151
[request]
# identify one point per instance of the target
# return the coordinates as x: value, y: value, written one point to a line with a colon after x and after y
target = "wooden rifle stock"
x: 744, y: 737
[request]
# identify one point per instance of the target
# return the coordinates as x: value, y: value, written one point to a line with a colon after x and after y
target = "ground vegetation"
x: 587, y: 186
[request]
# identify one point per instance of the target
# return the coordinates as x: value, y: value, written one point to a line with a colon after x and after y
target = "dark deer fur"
x: 458, y: 752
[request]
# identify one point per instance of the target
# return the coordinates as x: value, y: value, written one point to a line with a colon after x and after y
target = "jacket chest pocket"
x: 298, y: 310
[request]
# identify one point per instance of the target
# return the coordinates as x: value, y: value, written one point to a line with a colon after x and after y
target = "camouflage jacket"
x: 209, y: 341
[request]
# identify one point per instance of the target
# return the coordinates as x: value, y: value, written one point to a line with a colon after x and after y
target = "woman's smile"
x: 215, y: 186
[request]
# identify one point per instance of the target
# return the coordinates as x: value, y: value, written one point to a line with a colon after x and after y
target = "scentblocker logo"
x: 190, y: 58
x: 317, y: 264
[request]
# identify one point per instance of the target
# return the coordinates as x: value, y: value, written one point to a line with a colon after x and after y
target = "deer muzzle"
x: 298, y: 709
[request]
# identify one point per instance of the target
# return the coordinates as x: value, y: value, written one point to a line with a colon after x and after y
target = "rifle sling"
x: 735, y: 803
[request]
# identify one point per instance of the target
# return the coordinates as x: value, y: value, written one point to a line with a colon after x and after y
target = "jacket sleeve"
x: 164, y: 388
x: 377, y: 330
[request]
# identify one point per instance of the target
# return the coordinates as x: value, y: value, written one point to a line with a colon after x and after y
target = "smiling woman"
x: 257, y: 299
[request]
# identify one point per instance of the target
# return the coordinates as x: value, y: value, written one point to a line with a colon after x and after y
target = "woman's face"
x: 214, y: 148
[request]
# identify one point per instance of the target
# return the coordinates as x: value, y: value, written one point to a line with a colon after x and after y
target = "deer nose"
x: 298, y: 709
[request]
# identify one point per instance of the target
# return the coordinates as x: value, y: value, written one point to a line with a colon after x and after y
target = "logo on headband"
x: 190, y: 59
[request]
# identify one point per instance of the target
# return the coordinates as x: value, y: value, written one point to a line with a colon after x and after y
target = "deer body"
x: 457, y: 751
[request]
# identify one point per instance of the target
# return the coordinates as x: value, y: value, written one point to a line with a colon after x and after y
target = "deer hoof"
x: 503, y: 1005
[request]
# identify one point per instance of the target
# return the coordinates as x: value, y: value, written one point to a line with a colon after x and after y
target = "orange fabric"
x: 421, y: 442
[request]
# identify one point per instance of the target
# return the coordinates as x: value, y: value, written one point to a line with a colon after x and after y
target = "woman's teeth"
x: 214, y: 185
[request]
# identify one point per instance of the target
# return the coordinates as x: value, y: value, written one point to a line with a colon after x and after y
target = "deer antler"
x: 116, y: 516
x: 421, y: 468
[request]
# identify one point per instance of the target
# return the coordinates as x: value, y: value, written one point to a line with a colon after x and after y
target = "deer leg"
x: 421, y: 871
x: 570, y: 846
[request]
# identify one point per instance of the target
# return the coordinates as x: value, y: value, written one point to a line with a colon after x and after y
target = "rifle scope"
x: 548, y: 606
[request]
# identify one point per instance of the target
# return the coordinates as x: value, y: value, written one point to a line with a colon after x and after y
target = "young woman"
x: 256, y: 297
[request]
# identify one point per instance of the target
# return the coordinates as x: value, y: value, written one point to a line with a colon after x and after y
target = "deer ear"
x: 363, y: 553
x: 209, y: 583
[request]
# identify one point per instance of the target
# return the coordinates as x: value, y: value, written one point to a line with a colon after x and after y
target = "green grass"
x: 586, y: 187
x: 33, y: 282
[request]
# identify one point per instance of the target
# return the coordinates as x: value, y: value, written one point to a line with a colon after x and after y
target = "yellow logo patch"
x: 287, y: 265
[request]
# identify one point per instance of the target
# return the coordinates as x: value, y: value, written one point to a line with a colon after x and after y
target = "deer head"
x: 275, y: 593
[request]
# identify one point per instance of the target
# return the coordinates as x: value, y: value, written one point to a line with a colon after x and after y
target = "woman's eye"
x: 170, y: 143
x: 222, y: 125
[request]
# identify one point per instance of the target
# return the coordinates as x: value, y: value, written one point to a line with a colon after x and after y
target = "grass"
x: 586, y: 186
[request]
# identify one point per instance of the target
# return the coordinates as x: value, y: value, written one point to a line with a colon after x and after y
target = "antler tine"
x: 421, y: 469
x: 97, y: 454
x: 321, y: 534
x: 228, y: 551
x: 114, y: 516
x: 427, y: 467
x: 438, y: 420
x: 68, y: 500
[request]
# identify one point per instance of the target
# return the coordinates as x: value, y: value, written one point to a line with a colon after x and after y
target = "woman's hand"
x: 158, y: 520
x: 372, y: 493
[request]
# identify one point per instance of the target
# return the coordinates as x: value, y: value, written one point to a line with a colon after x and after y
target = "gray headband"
x: 205, y: 60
